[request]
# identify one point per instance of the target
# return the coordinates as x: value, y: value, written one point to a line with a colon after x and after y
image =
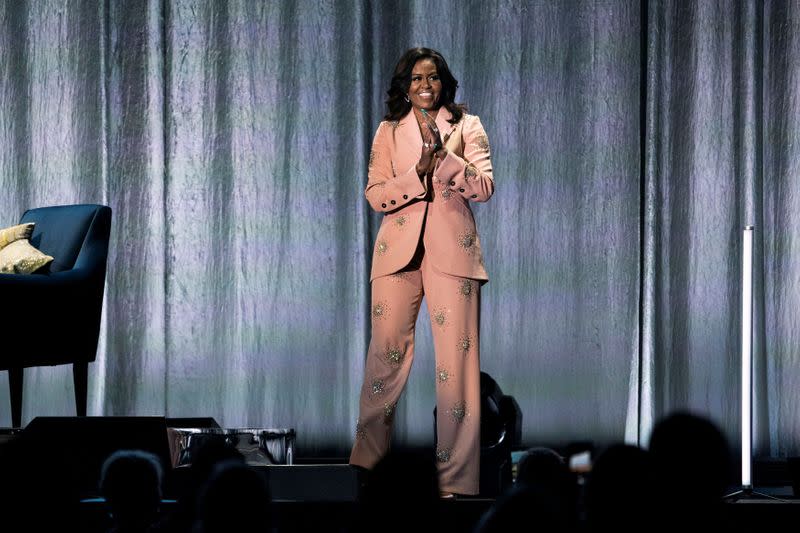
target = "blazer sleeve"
x: 385, y: 191
x: 471, y: 176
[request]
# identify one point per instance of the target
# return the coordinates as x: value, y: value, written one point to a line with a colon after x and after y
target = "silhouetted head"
x: 619, y: 490
x: 525, y: 508
x: 407, y: 473
x: 403, y: 480
x: 542, y: 467
x: 235, y: 498
x: 690, y: 454
x: 130, y: 482
x: 212, y: 451
x: 691, y: 466
x: 545, y: 472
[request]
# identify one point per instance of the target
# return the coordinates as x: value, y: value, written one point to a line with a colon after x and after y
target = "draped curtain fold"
x: 631, y: 142
x: 718, y: 157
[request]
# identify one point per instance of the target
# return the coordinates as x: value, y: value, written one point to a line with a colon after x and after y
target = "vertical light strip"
x: 747, y: 358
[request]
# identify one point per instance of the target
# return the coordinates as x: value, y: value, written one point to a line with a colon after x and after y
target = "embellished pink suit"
x: 427, y: 246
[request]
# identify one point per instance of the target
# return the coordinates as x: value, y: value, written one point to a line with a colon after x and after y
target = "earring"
x: 406, y: 98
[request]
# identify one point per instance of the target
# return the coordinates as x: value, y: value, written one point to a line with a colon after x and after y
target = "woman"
x: 429, y: 159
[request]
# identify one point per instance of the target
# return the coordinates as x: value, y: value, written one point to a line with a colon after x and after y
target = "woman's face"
x: 425, y: 85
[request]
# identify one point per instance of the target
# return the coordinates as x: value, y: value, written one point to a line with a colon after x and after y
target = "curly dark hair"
x: 401, y: 81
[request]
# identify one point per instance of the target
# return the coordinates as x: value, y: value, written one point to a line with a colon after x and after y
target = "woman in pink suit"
x: 429, y: 160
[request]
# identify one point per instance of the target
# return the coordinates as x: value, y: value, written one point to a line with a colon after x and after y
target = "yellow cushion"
x: 15, y: 233
x: 20, y: 257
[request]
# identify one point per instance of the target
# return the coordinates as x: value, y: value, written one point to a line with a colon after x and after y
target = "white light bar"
x: 747, y: 358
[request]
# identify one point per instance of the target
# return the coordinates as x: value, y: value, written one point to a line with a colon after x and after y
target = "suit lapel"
x: 408, y: 142
x: 445, y: 128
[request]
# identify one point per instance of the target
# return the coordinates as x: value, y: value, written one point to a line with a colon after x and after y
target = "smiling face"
x: 425, y: 85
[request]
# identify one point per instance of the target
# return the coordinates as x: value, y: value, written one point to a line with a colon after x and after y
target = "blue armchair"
x: 57, y: 314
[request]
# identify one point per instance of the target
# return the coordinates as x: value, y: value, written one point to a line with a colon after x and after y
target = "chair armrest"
x: 59, y: 292
x: 67, y: 278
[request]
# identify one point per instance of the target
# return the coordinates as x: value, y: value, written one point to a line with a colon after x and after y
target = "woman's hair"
x: 401, y: 81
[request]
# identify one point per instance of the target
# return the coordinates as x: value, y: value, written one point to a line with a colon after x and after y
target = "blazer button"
x: 452, y: 183
x: 460, y: 190
x: 383, y: 205
x: 405, y: 197
x: 474, y: 196
x: 392, y: 202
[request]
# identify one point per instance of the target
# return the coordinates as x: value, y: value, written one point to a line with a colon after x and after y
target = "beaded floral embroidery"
x: 481, y: 141
x: 440, y: 316
x: 443, y: 454
x: 380, y: 310
x: 458, y: 412
x: 393, y: 356
x: 466, y: 289
x: 388, y: 413
x: 361, y: 432
x: 465, y: 344
x: 467, y: 241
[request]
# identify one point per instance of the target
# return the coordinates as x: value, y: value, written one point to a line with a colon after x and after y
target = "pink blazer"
x: 442, y: 203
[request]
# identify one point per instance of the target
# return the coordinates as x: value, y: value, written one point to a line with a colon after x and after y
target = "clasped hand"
x: 432, y: 145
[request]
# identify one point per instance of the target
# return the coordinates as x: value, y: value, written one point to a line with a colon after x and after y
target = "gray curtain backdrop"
x: 631, y: 140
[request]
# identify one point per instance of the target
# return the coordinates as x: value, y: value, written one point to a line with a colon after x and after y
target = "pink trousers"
x: 453, y: 303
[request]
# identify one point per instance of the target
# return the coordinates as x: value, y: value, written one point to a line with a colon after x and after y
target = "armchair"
x: 57, y: 315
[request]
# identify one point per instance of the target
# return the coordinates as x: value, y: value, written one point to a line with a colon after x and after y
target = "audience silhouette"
x: 131, y: 482
x: 526, y: 508
x: 692, y: 466
x: 619, y: 490
x: 546, y: 469
x: 235, y: 498
x: 542, y: 498
x: 677, y: 483
x: 194, y: 477
x: 401, y: 493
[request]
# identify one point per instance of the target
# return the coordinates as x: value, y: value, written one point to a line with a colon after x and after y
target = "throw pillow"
x: 15, y: 233
x: 20, y: 257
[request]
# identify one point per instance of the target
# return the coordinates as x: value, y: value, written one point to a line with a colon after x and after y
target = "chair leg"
x: 15, y: 388
x: 80, y: 378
